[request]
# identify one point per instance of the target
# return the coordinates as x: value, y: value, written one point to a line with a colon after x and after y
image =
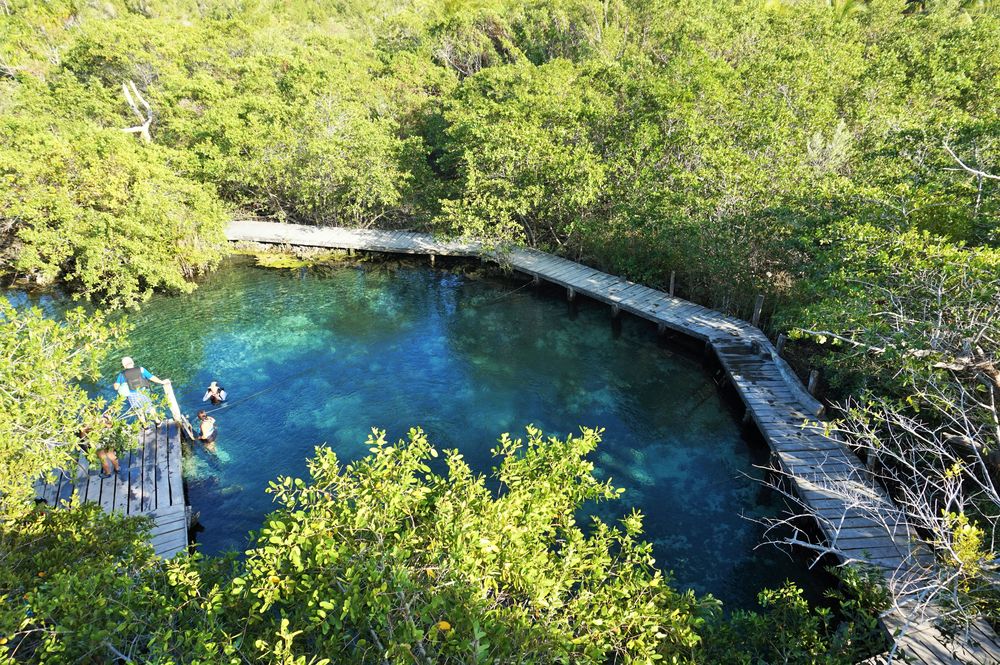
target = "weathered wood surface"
x: 150, y: 484
x: 774, y: 396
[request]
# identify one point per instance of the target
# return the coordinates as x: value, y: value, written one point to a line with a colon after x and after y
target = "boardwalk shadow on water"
x: 335, y: 352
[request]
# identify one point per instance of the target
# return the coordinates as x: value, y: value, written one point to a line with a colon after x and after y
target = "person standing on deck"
x: 133, y: 382
x: 105, y: 451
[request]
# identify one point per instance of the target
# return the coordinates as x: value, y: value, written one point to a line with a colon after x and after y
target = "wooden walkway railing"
x: 822, y: 470
x: 150, y: 484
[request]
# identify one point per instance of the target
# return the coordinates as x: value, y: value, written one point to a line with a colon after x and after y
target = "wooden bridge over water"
x: 822, y: 470
x: 150, y: 484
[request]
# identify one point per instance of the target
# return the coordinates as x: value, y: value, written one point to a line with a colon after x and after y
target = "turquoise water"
x: 337, y: 351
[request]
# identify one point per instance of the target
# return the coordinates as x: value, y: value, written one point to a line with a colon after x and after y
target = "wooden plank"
x: 168, y: 531
x: 536, y: 260
x: 40, y: 488
x: 599, y: 280
x: 161, y: 526
x: 54, y: 491
x: 161, y: 478
x: 640, y: 301
x: 837, y: 456
x: 121, y: 486
x: 50, y: 488
x: 169, y: 511
x: 107, y: 491
x: 623, y: 290
x: 148, y: 498
x: 170, y: 544
x: 67, y: 484
x: 574, y: 274
x: 132, y: 479
x: 94, y: 485
x: 175, y: 466
x: 135, y: 478
x: 81, y: 484
x: 567, y: 274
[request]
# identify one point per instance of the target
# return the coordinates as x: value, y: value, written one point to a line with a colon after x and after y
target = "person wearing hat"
x: 215, y: 393
x: 133, y: 383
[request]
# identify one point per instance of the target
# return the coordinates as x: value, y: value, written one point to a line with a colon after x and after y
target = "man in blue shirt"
x: 133, y: 382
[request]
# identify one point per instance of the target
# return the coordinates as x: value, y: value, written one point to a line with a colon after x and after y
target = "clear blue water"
x: 335, y: 351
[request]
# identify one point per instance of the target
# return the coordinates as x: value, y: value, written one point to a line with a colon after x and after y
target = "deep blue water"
x: 320, y: 356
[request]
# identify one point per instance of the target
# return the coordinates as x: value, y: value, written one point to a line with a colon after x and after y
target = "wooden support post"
x: 813, y: 381
x: 433, y: 257
x: 570, y: 293
x: 780, y: 344
x: 350, y: 251
x: 175, y: 409
x: 661, y: 328
x: 615, y: 311
x: 673, y: 275
x: 747, y: 416
x: 757, y: 307
x: 535, y: 280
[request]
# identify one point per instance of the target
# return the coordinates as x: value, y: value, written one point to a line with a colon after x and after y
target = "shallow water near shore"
x: 321, y: 355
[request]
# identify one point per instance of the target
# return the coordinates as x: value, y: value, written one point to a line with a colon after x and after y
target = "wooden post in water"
x: 780, y: 344
x: 615, y: 311
x: 673, y: 275
x: 661, y: 328
x: 535, y: 279
x: 175, y: 409
x: 570, y: 293
x: 813, y: 381
x: 433, y: 257
x: 757, y: 307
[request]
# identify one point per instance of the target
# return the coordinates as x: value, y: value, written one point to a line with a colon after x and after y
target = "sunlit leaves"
x: 389, y: 551
x: 41, y: 405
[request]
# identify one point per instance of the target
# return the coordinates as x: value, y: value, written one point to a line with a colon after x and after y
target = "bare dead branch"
x: 131, y: 95
x: 969, y: 169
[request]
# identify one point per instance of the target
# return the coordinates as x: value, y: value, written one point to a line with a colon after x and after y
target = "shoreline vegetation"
x: 839, y: 157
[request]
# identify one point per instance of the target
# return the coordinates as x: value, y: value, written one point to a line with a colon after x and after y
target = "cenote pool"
x: 339, y: 350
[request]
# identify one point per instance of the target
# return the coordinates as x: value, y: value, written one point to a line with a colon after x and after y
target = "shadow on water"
x: 320, y: 356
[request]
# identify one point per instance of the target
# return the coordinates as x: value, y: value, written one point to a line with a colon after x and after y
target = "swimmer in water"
x: 215, y: 394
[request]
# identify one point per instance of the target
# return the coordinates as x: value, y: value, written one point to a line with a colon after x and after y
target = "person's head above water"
x: 213, y: 384
x: 128, y: 363
x: 202, y: 415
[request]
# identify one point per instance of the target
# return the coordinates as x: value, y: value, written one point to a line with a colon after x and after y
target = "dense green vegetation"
x: 839, y: 156
x: 743, y: 145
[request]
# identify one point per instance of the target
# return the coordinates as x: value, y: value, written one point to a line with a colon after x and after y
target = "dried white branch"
x: 969, y: 169
x: 131, y: 95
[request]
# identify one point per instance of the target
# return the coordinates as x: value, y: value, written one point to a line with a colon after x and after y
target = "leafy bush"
x: 387, y: 558
x: 42, y: 407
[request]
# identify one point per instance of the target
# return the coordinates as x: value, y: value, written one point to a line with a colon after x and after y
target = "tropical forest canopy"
x: 839, y: 156
x: 741, y: 144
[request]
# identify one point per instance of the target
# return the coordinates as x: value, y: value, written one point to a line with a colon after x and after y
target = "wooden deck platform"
x: 822, y: 470
x: 152, y: 485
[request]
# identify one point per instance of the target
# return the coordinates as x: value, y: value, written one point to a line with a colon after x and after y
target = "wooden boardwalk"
x: 822, y: 470
x: 150, y: 484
